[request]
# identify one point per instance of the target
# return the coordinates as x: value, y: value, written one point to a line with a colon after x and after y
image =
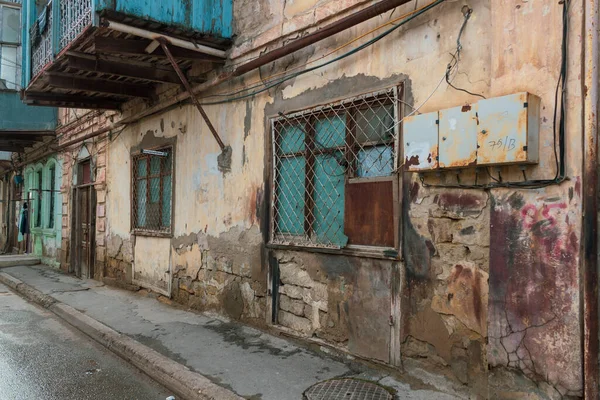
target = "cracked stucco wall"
x: 447, y: 239
x: 454, y: 281
x: 534, y: 296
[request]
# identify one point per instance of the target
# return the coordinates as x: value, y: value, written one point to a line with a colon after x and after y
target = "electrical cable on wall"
x: 259, y: 83
x: 341, y: 57
x: 558, y: 131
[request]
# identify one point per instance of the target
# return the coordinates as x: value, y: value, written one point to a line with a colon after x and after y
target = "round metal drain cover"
x: 347, y: 389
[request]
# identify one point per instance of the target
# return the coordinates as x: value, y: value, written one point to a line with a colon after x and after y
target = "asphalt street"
x: 42, y: 358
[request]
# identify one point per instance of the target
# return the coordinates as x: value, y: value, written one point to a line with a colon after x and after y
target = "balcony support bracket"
x: 165, y: 46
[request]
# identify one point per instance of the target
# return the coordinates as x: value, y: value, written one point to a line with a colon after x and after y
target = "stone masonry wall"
x: 447, y: 264
x: 221, y: 274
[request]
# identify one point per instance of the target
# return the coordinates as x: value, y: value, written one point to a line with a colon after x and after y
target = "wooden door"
x: 85, y: 227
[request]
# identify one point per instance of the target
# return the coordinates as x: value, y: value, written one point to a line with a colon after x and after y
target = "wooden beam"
x: 131, y: 47
x: 70, y: 101
x: 10, y: 136
x: 99, y: 85
x: 28, y: 133
x: 25, y: 143
x: 122, y: 69
x: 14, y: 149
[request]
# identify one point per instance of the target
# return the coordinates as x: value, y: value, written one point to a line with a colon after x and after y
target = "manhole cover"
x: 347, y: 389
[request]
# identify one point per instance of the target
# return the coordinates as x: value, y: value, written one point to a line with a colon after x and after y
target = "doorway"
x: 83, y: 225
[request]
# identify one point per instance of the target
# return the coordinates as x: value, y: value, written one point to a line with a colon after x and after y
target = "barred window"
x: 152, y: 191
x: 333, y: 169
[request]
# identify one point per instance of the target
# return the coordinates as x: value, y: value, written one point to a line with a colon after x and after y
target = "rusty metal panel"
x: 458, y: 137
x: 369, y: 213
x: 508, y: 129
x: 421, y: 142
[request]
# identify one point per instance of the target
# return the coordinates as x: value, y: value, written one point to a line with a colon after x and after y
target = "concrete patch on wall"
x: 446, y: 242
x: 119, y: 257
x: 534, y: 301
x: 343, y: 300
x: 221, y: 273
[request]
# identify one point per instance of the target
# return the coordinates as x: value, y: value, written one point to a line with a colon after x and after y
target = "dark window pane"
x: 38, y: 201
x: 52, y: 197
x: 86, y: 173
x: 375, y: 124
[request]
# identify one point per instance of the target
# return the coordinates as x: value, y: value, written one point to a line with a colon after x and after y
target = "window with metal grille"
x: 152, y: 191
x: 333, y: 169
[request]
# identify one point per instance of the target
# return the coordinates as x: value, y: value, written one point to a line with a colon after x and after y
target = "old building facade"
x: 306, y: 217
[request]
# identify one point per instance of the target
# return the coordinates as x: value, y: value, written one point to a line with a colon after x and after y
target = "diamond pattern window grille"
x: 316, y: 152
x: 152, y: 180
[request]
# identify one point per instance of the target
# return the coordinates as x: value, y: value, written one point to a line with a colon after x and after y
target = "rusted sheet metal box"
x: 458, y: 137
x: 421, y: 142
x: 508, y: 129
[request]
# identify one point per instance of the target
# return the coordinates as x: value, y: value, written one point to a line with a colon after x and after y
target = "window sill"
x: 137, y: 232
x: 383, y: 253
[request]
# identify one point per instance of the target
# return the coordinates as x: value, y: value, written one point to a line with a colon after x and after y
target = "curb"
x: 174, y: 376
x: 7, y: 261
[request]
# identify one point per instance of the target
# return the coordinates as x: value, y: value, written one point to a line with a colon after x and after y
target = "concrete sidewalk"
x: 248, y: 362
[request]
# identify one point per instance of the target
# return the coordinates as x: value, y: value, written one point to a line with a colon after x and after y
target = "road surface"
x: 43, y: 358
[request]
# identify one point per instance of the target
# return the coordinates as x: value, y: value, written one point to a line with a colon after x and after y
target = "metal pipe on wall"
x: 323, y: 33
x: 590, y: 340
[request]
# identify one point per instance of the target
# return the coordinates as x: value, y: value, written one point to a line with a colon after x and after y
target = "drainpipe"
x: 590, y: 199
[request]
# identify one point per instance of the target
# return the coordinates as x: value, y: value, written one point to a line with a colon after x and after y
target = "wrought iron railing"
x: 41, y: 42
x: 74, y: 17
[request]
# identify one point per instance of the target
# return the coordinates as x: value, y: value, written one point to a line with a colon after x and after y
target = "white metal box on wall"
x: 458, y: 137
x: 421, y: 142
x: 508, y: 130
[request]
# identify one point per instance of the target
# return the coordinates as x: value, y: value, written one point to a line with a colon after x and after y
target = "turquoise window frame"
x: 307, y: 207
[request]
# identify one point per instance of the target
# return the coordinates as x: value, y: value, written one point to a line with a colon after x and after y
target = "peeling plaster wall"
x: 470, y: 258
x: 215, y: 251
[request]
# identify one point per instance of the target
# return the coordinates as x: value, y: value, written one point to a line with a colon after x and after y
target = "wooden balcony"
x: 98, y: 54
